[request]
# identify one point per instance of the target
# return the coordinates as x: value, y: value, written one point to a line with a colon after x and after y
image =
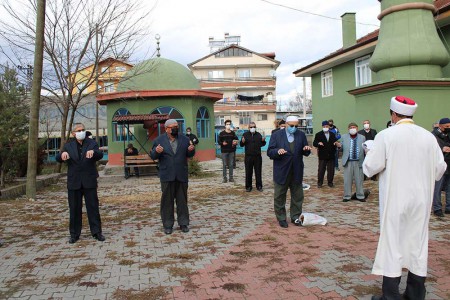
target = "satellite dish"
x: 272, y: 73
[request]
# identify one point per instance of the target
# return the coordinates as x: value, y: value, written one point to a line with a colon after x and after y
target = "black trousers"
x: 127, y: 171
x: 325, y: 165
x: 253, y: 162
x: 75, y: 211
x: 174, y: 191
x: 415, y: 288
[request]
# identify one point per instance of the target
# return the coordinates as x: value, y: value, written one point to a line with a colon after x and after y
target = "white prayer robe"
x: 409, y: 161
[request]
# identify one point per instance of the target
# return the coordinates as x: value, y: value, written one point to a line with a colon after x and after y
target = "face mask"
x: 174, y: 132
x: 447, y: 130
x: 81, y: 135
x: 188, y: 133
x: 228, y: 126
x: 252, y: 130
x: 325, y: 129
x: 291, y: 129
x: 352, y: 131
x: 366, y: 126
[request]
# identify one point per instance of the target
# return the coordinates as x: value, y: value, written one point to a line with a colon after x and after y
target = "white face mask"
x: 366, y: 126
x: 80, y: 135
x: 252, y: 130
x: 227, y: 126
x: 188, y: 133
x: 352, y: 131
x: 325, y: 129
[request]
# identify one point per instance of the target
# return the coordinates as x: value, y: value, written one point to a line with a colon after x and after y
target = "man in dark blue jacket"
x: 81, y: 155
x: 172, y: 150
x: 286, y: 149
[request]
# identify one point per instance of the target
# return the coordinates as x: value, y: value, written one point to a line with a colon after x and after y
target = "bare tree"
x: 78, y: 33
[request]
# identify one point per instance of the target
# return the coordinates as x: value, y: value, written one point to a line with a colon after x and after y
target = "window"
x: 173, y: 114
x: 121, y: 69
x: 262, y: 117
x: 220, y: 120
x: 244, y: 118
x: 109, y: 86
x: 244, y: 73
x: 233, y: 51
x: 363, y: 73
x: 327, y: 83
x: 203, y: 122
x: 104, y: 69
x: 122, y: 132
x: 215, y: 74
x: 81, y: 87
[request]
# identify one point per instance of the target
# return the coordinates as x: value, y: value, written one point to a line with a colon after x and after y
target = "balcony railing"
x: 237, y: 79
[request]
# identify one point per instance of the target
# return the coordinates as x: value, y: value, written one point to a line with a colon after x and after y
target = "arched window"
x: 120, y: 132
x: 203, y: 129
x: 173, y: 114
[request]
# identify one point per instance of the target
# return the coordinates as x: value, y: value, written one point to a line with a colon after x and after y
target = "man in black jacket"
x: 192, y: 137
x: 326, y: 143
x: 253, y: 141
x: 81, y: 155
x: 131, y: 151
x: 228, y: 141
x: 442, y: 134
x: 369, y: 133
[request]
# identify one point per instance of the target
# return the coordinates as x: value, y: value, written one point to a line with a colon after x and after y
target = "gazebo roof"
x: 140, y: 119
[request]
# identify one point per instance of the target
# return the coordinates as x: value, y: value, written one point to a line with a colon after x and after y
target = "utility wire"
x: 315, y: 14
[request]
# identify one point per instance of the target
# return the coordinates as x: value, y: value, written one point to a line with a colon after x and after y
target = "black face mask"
x: 447, y: 130
x: 174, y: 132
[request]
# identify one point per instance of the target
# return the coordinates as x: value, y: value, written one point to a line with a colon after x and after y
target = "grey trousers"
x: 352, y: 171
x: 279, y: 196
x: 227, y: 160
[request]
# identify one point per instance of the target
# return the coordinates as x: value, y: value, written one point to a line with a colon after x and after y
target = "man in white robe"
x: 409, y: 161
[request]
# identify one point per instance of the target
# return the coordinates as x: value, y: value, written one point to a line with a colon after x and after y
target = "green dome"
x: 158, y: 74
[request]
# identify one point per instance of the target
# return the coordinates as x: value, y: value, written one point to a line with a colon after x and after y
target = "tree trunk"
x: 63, y: 136
x: 35, y: 101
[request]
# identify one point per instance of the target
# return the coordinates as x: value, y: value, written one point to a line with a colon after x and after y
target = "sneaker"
x: 224, y: 180
x: 296, y: 222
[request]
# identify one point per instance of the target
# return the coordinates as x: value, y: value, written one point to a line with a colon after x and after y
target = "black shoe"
x: 99, y: 237
x: 283, y: 223
x: 168, y: 230
x: 439, y: 214
x: 260, y: 189
x: 231, y: 179
x: 447, y: 212
x: 184, y: 228
x: 362, y: 200
x: 331, y: 185
x: 296, y: 222
x: 377, y: 298
x: 73, y: 239
x: 345, y: 200
x: 319, y: 186
x: 248, y: 189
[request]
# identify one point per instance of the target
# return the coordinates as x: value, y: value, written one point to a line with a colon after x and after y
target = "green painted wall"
x: 188, y: 107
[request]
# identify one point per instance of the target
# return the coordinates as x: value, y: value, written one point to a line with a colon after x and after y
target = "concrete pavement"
x: 235, y: 249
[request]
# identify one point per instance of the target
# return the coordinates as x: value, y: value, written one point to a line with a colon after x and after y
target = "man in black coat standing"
x: 369, y: 133
x: 192, y: 137
x: 172, y: 151
x: 81, y: 155
x: 253, y: 141
x: 326, y: 143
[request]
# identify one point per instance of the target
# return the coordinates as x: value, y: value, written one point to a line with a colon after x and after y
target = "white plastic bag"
x: 308, y: 219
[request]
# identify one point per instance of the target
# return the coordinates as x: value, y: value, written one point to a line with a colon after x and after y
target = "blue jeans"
x: 227, y: 161
x: 442, y: 185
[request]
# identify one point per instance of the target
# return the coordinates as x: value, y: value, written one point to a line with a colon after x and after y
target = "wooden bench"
x: 139, y: 161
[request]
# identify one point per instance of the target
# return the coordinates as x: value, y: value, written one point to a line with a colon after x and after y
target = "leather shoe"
x: 447, y: 212
x: 345, y: 200
x: 283, y: 223
x: 362, y: 200
x: 99, y: 237
x: 296, y: 222
x: 439, y: 214
x: 248, y: 189
x: 184, y: 228
x: 377, y: 298
x: 73, y: 239
x: 319, y: 186
x: 168, y: 230
x: 260, y: 189
x: 331, y: 184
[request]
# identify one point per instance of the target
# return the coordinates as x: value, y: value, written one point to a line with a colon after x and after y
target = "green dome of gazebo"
x: 158, y: 74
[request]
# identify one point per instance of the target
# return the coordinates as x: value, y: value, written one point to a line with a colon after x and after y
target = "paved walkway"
x: 235, y: 249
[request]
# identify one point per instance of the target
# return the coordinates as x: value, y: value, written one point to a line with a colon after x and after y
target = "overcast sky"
x: 297, y: 38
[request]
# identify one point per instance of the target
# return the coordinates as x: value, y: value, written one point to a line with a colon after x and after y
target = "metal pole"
x: 304, y: 98
x: 97, y: 135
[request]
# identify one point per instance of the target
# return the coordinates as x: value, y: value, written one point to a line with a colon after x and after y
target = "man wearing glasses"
x: 172, y: 150
x: 253, y: 141
x: 81, y: 155
x: 286, y: 149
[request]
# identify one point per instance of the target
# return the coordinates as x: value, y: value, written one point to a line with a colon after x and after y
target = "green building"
x: 150, y: 93
x: 407, y: 56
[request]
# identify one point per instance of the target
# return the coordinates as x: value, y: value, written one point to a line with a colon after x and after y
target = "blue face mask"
x: 291, y: 129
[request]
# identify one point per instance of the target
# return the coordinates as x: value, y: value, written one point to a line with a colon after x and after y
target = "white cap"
x: 403, y: 105
x: 292, y: 119
x: 170, y: 122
